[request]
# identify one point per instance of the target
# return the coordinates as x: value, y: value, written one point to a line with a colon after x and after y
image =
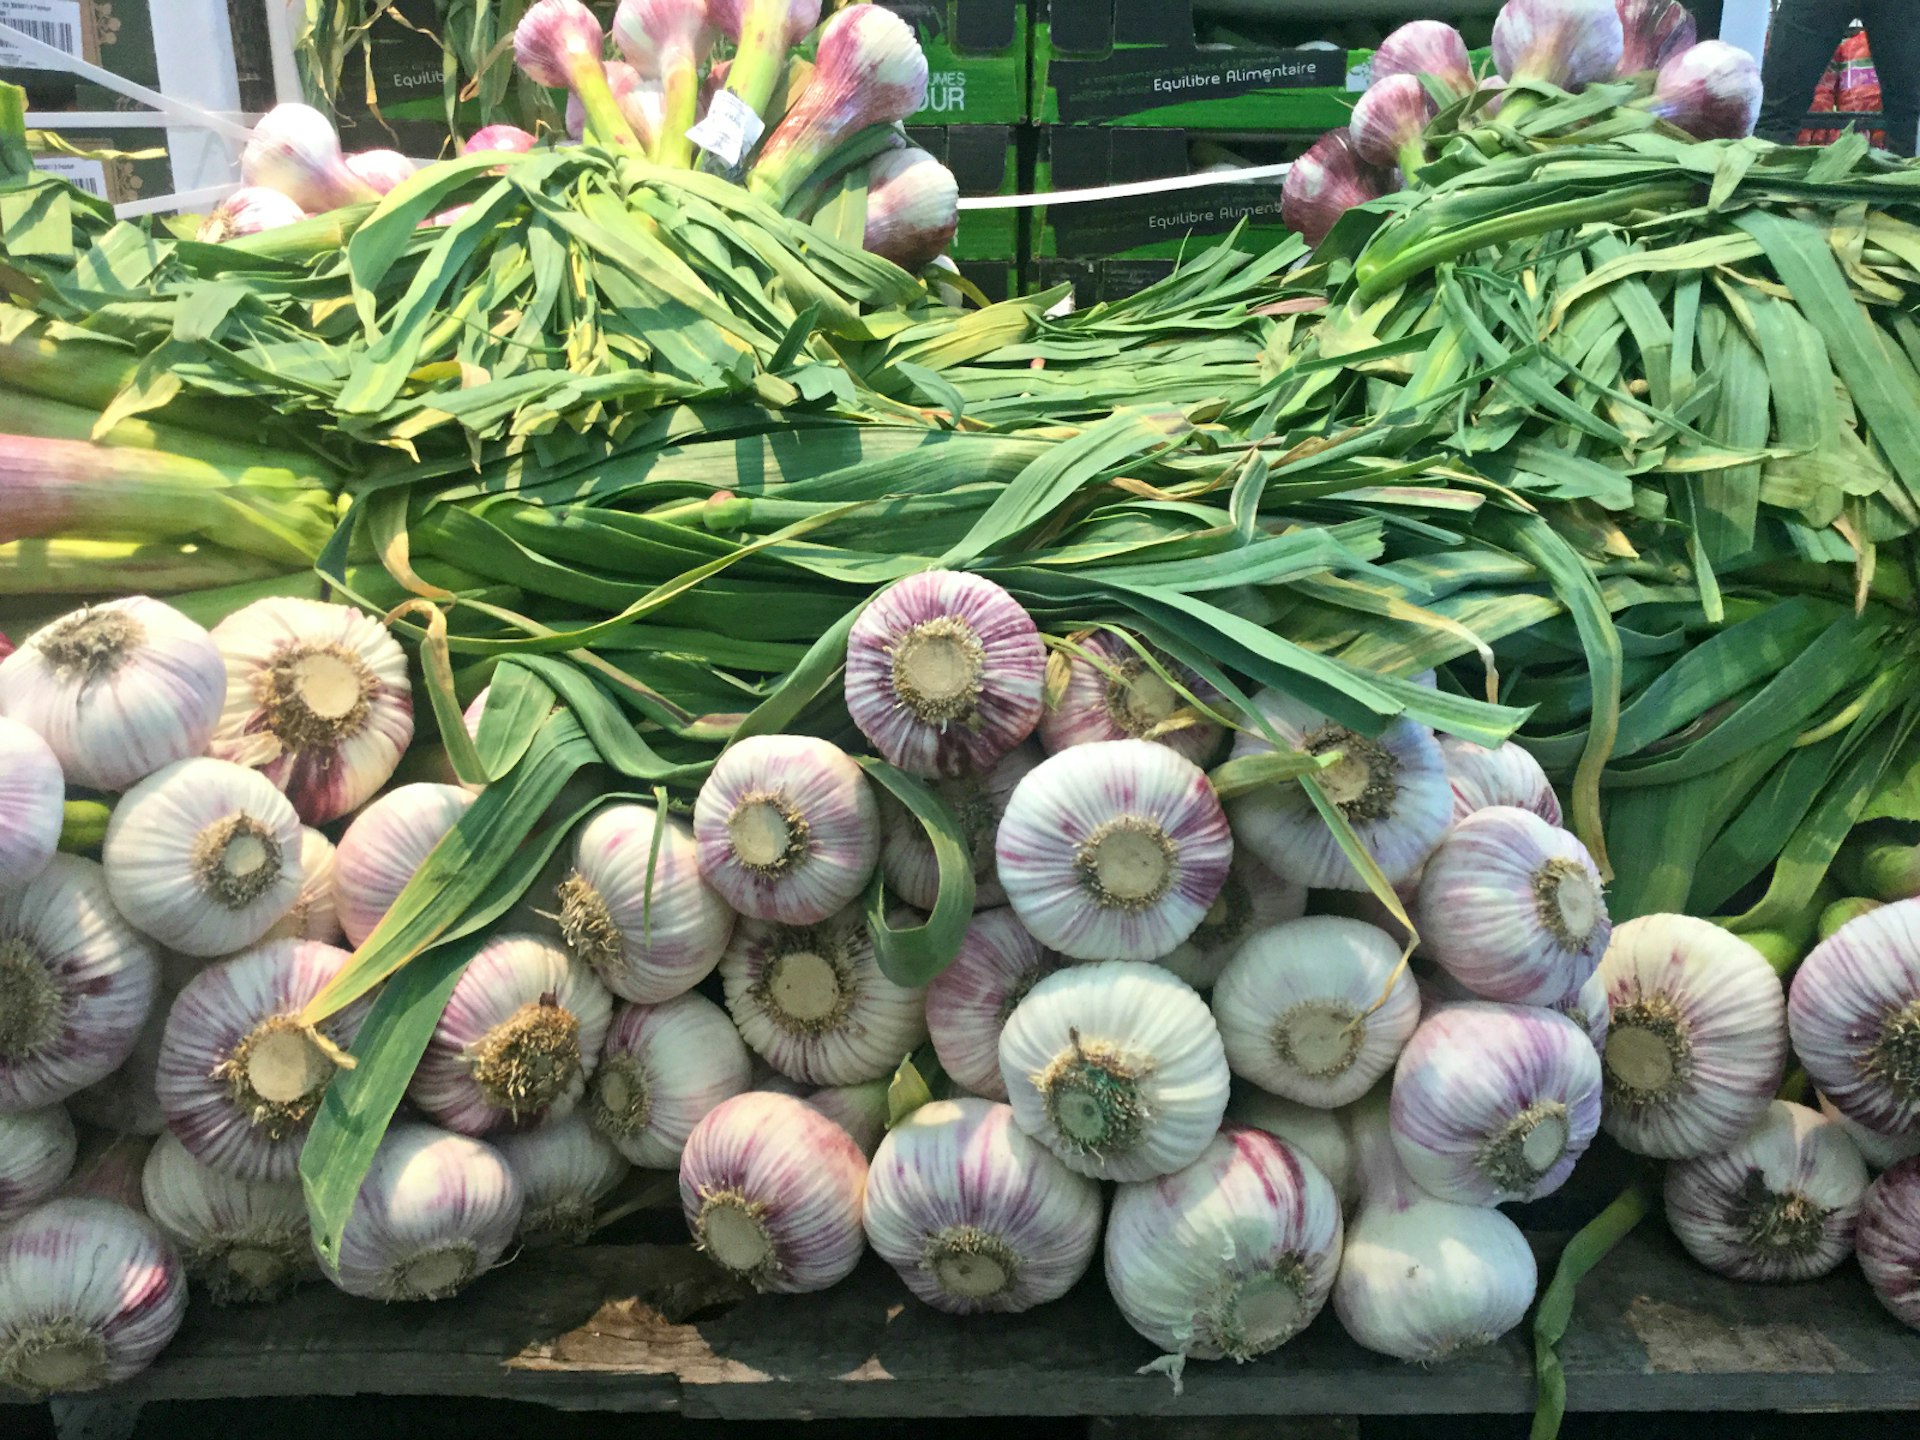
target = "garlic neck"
x: 1093, y: 1095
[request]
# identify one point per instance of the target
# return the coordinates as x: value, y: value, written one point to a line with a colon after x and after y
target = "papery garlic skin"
x: 76, y: 984
x: 1316, y: 1009
x: 245, y: 1241
x: 250, y: 210
x: 1568, y: 43
x: 116, y: 690
x: 978, y: 802
x: 518, y: 1041
x: 1711, y: 90
x: 36, y: 1156
x: 1322, y: 1136
x: 662, y: 1068
x: 1588, y: 1008
x: 1888, y: 1240
x: 293, y: 149
x: 968, y: 1002
x: 1654, y: 31
x: 32, y: 803
x: 1389, y: 122
x: 108, y: 1168
x: 861, y: 1110
x: 1506, y: 775
x: 204, y: 856
x: 772, y: 1193
x: 976, y: 1216
x: 1252, y: 899
x: 1325, y: 183
x: 1854, y: 1013
x: 312, y: 915
x: 913, y: 208
x: 1113, y: 693
x: 506, y: 139
x: 435, y: 1211
x: 1881, y: 1152
x: 565, y: 1170
x: 381, y: 171
x: 1116, y: 1068
x: 385, y: 847
x: 126, y: 1102
x: 1427, y: 47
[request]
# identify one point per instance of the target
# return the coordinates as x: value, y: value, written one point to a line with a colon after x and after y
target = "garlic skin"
x: 944, y: 669
x: 1508, y: 775
x: 76, y: 984
x: 1781, y: 1204
x: 1252, y: 899
x: 860, y: 1110
x: 787, y: 828
x: 90, y: 1293
x: 313, y: 915
x: 205, y: 855
x: 385, y: 847
x: 108, y: 1168
x: 250, y: 210
x: 1654, y: 31
x: 642, y: 105
x: 978, y: 801
x: 663, y: 1067
x: 518, y: 1041
x: 1854, y: 1013
x: 644, y: 919
x: 125, y: 1102
x: 974, y: 1215
x: 294, y: 150
x: 1888, y: 1240
x: 245, y: 1241
x: 32, y: 803
x: 968, y: 1002
x: 1326, y: 182
x: 1322, y: 1136
x: 912, y: 208
x: 1316, y: 1010
x: 772, y: 1193
x: 1116, y: 1068
x: 1881, y: 1152
x: 435, y: 1211
x: 381, y: 171
x: 1567, y: 43
x: 812, y: 1002
x: 317, y: 700
x: 1117, y: 695
x: 1114, y: 850
x: 1393, y: 791
x: 565, y: 1170
x: 506, y: 139
x: 116, y: 690
x: 1587, y: 1007
x: 1427, y: 47
x: 1698, y: 1038
x: 36, y: 1156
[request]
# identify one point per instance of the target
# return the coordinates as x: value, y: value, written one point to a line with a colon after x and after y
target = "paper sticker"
x: 51, y: 22
x: 729, y: 130
x: 87, y: 175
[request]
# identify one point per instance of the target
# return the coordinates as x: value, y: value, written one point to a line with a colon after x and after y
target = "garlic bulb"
x: 811, y: 1001
x: 1888, y: 1240
x: 381, y: 171
x: 787, y: 829
x: 244, y: 1240
x: 662, y: 1069
x: 968, y: 1002
x: 1855, y: 1018
x: 385, y: 847
x: 250, y: 210
x: 565, y: 1170
x: 772, y: 1193
x: 1320, y: 1135
x: 36, y: 1156
x: 317, y: 700
x: 1252, y: 899
x: 518, y: 1041
x: 978, y: 800
x: 1512, y: 907
x: 108, y: 1167
x: 1493, y: 1103
x: 435, y: 1210
x: 1116, y: 1068
x: 944, y: 672
x: 1316, y: 1009
x: 1507, y: 775
x: 294, y: 150
x: 312, y: 916
x: 636, y: 909
x: 1698, y: 1038
x: 239, y: 1075
x: 117, y: 690
x: 126, y: 1103
x: 32, y: 803
x: 861, y: 1110
x: 1114, y: 850
x: 975, y: 1215
x: 1113, y: 693
x: 1881, y: 1152
x: 1779, y: 1205
x: 204, y: 856
x: 76, y: 983
x: 1587, y: 1007
x: 89, y: 1294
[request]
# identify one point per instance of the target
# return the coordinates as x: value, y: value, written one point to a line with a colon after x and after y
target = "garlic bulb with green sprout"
x: 1653, y: 32
x: 32, y: 803
x: 1888, y: 1240
x: 968, y: 1002
x: 90, y: 1293
x: 1316, y: 1009
x: 240, y: 1075
x: 381, y: 171
x: 812, y: 1002
x: 1507, y: 775
x: 518, y: 1040
x: 1389, y: 123
x: 861, y: 1110
x: 763, y: 31
x: 565, y: 1170
x: 1567, y: 43
x: 36, y: 1156
x: 975, y: 1215
x: 1325, y: 183
x: 662, y: 1068
x: 668, y: 41
x: 500, y: 139
x: 1114, y: 691
x: 1881, y: 1152
x: 317, y: 700
x: 636, y: 908
x: 1587, y: 1007
x: 1854, y: 1014
x: 772, y: 1193
x: 913, y: 208
x: 1711, y: 90
x: 1424, y: 1279
x: 559, y: 44
x: 1779, y: 1204
x: 1392, y: 789
x: 1698, y: 1036
x: 204, y: 856
x: 1116, y: 1068
x: 293, y: 149
x: 250, y: 210
x: 435, y: 1211
x: 245, y: 1241
x: 1252, y: 899
x: 944, y: 668
x: 786, y: 828
x: 978, y: 799
x: 76, y: 984
x: 117, y: 690
x: 1115, y: 849
x: 641, y: 102
x: 1426, y: 47
x: 384, y: 848
x: 312, y: 915
x: 1320, y: 1135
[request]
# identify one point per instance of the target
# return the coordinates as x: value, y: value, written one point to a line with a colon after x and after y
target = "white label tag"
x: 51, y: 22
x: 87, y: 175
x: 729, y: 130
x: 1361, y: 75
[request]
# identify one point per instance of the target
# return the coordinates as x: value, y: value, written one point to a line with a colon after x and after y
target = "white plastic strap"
x: 1203, y: 181
x: 186, y: 114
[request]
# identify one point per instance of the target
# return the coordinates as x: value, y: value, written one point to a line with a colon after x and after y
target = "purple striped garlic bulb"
x: 564, y: 1171
x: 1426, y: 47
x: 1587, y: 1007
x: 1567, y: 43
x: 1854, y: 1013
x: 968, y: 1002
x: 1712, y: 91
x: 1323, y: 1136
x: 1252, y: 899
x: 244, y: 1241
x: 663, y: 1067
x: 32, y: 803
x: 384, y: 848
x: 642, y: 103
x: 36, y: 1156
x: 978, y: 799
x: 1389, y: 123
x: 294, y: 150
x: 1113, y: 691
x: 861, y: 1110
x: 499, y: 139
x: 772, y: 1193
x: 1653, y: 32
x: 381, y: 171
x: 668, y: 41
x: 944, y: 670
x: 1326, y: 182
x: 1888, y: 1240
x: 1508, y: 775
x: 250, y: 210
x: 1881, y: 1152
x: 913, y: 208
x: 312, y: 916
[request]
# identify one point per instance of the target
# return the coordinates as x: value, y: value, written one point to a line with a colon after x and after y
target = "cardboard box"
x: 110, y: 172
x: 1094, y: 280
x: 985, y: 160
x: 995, y: 279
x: 976, y: 59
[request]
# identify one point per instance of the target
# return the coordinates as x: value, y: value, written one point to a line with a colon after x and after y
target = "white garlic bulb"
x: 565, y: 1170
x: 435, y: 1211
x: 663, y: 1067
x: 812, y: 1002
x: 772, y: 1193
x: 1323, y: 1136
x: 317, y: 700
x: 518, y: 1040
x: 975, y: 1215
x: 204, y: 856
x: 36, y: 1156
x: 1316, y: 1009
x: 861, y: 1110
x: 1881, y: 1152
x: 1112, y: 693
x: 294, y: 150
x: 636, y: 908
x: 250, y: 210
x: 1854, y: 1014
x: 1505, y: 775
x: 76, y: 983
x: 117, y: 690
x: 1888, y: 1239
x: 1116, y: 1068
x: 32, y: 803
x: 1252, y: 899
x: 968, y: 1002
x: 245, y: 1241
x: 978, y: 799
x: 385, y: 847
x: 312, y: 916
